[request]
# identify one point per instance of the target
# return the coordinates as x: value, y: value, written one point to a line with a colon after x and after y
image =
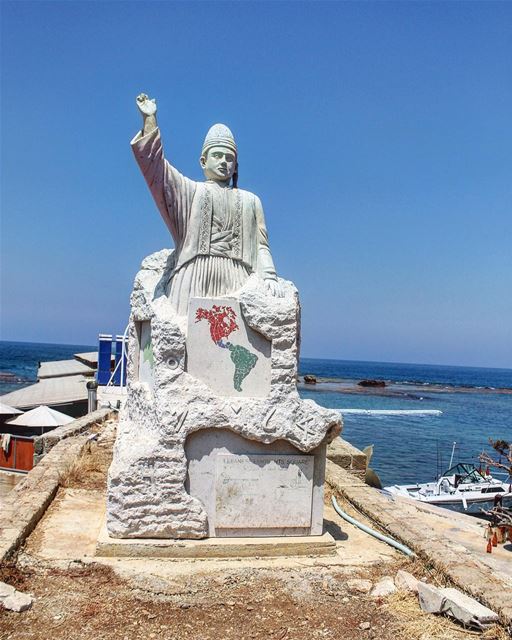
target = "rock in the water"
x: 17, y: 602
x: 405, y: 581
x: 384, y: 587
x: 371, y: 383
x: 456, y: 604
x: 309, y: 379
x: 355, y: 585
x: 372, y: 479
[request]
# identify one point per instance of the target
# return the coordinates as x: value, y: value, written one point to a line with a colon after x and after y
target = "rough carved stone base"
x: 146, y: 484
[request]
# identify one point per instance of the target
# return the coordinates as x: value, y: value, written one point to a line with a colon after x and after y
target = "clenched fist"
x: 147, y: 106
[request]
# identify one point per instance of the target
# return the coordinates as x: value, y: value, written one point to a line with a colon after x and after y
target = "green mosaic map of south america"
x: 222, y: 321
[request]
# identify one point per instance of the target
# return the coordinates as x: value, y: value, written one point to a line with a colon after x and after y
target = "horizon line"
x: 416, y: 364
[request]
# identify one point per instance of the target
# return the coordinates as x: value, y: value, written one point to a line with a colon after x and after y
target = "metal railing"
x: 120, y: 363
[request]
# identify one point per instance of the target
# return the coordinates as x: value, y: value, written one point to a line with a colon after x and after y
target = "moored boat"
x: 461, y: 488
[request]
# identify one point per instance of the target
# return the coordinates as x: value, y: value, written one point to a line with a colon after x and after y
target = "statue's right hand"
x: 147, y: 106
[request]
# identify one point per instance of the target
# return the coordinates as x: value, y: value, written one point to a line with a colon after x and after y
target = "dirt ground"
x: 91, y: 602
x: 82, y: 598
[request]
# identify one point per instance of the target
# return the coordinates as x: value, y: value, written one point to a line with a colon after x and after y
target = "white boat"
x: 461, y: 488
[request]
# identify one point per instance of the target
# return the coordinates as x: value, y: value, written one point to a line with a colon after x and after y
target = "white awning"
x: 6, y: 410
x: 41, y: 416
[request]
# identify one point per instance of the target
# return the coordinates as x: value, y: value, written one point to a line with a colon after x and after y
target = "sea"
x: 476, y: 405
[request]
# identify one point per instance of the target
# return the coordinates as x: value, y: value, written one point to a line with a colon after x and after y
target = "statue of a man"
x: 218, y: 230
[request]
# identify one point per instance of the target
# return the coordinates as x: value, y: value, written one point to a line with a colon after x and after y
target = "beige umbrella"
x: 41, y: 416
x: 6, y: 410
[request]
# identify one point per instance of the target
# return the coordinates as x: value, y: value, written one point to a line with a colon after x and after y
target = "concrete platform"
x: 70, y: 529
x: 323, y: 545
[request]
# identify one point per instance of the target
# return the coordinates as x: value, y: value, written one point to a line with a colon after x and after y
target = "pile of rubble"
x: 448, y: 601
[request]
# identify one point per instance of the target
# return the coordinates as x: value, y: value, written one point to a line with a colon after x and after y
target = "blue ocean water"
x: 406, y: 448
x: 475, y: 377
x: 21, y: 359
x: 409, y: 448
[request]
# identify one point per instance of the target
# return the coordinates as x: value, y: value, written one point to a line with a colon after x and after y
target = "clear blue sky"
x: 378, y: 136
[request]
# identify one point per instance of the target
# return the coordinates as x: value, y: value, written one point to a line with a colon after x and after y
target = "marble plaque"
x: 253, y: 491
x: 225, y: 353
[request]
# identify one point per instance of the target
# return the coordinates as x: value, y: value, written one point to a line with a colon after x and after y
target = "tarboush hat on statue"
x: 219, y: 136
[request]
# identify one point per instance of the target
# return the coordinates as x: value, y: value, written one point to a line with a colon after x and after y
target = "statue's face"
x: 219, y: 164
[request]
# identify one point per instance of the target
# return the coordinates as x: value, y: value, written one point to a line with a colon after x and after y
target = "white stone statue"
x: 218, y: 230
x: 213, y: 439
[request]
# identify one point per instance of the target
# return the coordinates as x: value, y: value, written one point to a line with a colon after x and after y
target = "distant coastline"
x: 19, y: 362
x: 413, y: 390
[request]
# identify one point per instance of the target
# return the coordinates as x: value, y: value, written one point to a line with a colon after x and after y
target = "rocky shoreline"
x: 390, y: 388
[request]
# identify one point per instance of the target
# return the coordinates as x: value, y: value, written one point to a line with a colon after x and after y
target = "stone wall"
x: 45, y: 443
x: 25, y: 505
x: 27, y: 502
x: 346, y: 456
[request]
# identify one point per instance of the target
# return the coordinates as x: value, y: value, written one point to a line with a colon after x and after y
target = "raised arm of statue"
x: 266, y: 268
x: 171, y: 190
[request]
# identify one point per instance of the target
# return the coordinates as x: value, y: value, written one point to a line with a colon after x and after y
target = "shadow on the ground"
x: 335, y: 530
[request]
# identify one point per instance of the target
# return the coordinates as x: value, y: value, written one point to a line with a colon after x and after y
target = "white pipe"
x: 113, y: 373
x: 120, y: 361
x: 372, y: 532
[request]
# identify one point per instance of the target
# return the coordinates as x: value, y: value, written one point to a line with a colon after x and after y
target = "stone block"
x: 385, y: 587
x: 467, y: 610
x: 345, y: 455
x: 357, y: 585
x: 17, y: 602
x: 405, y: 581
x: 323, y: 545
x: 6, y: 590
x: 456, y: 604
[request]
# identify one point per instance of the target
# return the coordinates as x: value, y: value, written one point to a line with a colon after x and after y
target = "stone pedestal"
x: 214, y: 439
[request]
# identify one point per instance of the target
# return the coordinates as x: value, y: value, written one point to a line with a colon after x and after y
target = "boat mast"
x: 451, y: 459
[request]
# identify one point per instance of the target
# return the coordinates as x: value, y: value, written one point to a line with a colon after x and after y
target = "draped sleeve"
x: 171, y: 191
x: 266, y: 266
